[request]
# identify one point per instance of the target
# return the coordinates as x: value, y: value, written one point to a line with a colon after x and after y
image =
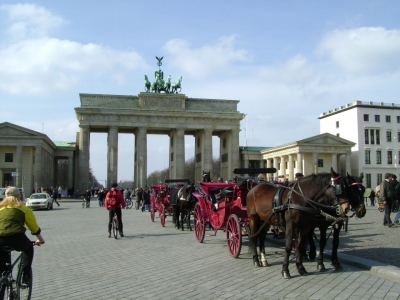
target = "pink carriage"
x: 231, y: 214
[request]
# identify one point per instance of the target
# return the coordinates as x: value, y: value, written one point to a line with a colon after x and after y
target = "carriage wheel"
x: 162, y: 215
x: 234, y: 235
x: 198, y: 223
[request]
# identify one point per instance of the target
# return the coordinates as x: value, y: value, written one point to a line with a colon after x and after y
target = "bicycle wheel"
x: 115, y: 227
x: 129, y: 204
x: 23, y: 290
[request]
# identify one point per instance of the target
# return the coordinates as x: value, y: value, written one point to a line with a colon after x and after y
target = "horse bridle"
x: 359, y: 185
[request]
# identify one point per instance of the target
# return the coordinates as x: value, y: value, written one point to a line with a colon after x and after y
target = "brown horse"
x: 293, y: 208
x: 355, y: 191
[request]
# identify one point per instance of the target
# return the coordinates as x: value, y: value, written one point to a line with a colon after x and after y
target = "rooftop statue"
x: 159, y: 85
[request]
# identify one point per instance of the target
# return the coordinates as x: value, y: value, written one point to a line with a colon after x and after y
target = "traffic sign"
x: 14, y: 174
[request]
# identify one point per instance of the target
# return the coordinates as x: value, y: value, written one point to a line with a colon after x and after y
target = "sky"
x: 285, y: 61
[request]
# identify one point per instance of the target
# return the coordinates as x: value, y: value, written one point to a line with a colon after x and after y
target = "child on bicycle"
x: 13, y: 216
x: 114, y: 202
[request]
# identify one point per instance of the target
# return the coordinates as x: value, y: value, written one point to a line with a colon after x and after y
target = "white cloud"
x: 203, y: 61
x: 29, y: 20
x: 42, y: 65
x: 365, y: 50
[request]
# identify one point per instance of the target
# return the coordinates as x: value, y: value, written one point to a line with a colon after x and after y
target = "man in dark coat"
x: 387, y: 197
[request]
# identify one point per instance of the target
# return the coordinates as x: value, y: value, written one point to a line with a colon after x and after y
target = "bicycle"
x: 115, y: 226
x: 15, y: 288
x: 128, y: 203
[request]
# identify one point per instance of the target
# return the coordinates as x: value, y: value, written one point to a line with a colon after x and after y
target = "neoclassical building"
x: 28, y: 158
x: 315, y: 154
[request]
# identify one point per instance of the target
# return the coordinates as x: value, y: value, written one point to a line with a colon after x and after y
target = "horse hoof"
x: 302, y: 271
x: 338, y: 267
x: 321, y: 268
x: 256, y: 264
x: 286, y: 274
x: 264, y: 264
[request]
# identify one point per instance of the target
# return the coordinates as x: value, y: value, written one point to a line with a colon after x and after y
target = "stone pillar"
x: 299, y: 167
x: 207, y: 150
x: 282, y: 166
x: 291, y: 167
x: 234, y: 159
x: 83, y: 170
x: 268, y: 175
x: 276, y: 174
x: 348, y: 163
x: 70, y: 172
x: 315, y: 162
x: 112, y: 155
x: 18, y: 160
x: 55, y: 171
x: 38, y: 168
x: 334, y: 162
x: 141, y: 157
x: 177, y: 154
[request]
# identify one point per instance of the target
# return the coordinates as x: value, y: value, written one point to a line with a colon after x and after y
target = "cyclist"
x: 127, y: 194
x: 13, y: 216
x: 114, y: 202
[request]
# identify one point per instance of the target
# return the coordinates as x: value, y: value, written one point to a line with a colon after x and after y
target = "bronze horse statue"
x: 355, y: 190
x: 293, y: 208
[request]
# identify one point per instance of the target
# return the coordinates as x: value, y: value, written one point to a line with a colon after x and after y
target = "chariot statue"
x: 159, y: 85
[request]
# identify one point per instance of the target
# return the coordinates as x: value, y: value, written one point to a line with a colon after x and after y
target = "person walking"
x: 386, y: 196
x: 139, y: 197
x: 146, y: 199
x: 114, y: 202
x: 372, y: 197
x: 100, y: 197
x: 54, y: 195
x: 127, y: 194
x: 13, y: 216
x: 87, y: 195
x: 59, y: 191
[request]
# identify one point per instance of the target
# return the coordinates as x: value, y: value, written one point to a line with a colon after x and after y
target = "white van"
x: 3, y: 194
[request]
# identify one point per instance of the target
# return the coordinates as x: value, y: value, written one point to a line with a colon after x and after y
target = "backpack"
x: 112, y: 199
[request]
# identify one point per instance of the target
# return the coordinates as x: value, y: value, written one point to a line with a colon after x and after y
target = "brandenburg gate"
x: 169, y: 113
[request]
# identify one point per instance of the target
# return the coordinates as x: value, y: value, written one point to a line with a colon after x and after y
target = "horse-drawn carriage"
x: 231, y: 214
x: 165, y: 198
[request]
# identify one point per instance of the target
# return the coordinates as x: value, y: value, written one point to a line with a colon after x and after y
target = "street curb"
x: 375, y: 267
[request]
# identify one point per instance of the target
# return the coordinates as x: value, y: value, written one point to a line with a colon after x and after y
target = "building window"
x: 367, y: 157
x: 366, y: 117
x: 378, y: 138
x: 398, y: 156
x: 337, y: 124
x: 366, y: 136
x: 389, y: 157
x: 286, y: 164
x: 320, y: 163
x: 372, y: 135
x: 368, y: 179
x: 9, y: 157
x: 377, y: 118
x: 388, y: 136
x: 398, y: 119
x: 387, y: 119
x: 398, y: 136
x: 378, y: 179
x: 378, y: 157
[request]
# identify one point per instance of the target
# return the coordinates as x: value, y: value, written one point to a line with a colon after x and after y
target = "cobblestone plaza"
x: 79, y: 261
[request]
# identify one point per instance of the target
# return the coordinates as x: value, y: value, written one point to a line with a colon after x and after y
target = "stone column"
x: 334, y: 162
x: 299, y: 166
x: 315, y: 162
x: 112, y: 155
x: 234, y: 159
x: 348, y: 163
x: 268, y: 175
x: 276, y: 174
x: 38, y: 168
x: 291, y: 167
x: 177, y: 154
x: 83, y: 172
x: 141, y: 157
x: 18, y: 160
x: 282, y: 167
x: 207, y: 150
x: 70, y: 172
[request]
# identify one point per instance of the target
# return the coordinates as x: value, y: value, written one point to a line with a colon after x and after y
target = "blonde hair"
x: 12, y: 201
